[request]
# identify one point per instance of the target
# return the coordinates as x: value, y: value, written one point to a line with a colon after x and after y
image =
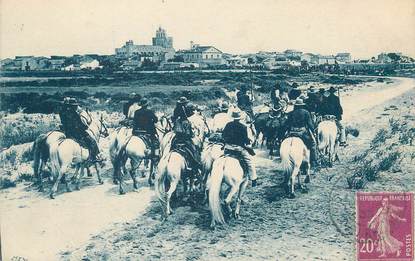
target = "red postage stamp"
x: 384, y: 226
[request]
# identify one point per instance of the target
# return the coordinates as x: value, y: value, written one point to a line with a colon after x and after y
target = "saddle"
x: 184, y: 148
x: 328, y: 118
x: 236, y: 154
x: 146, y: 138
x: 297, y: 132
x: 216, y: 138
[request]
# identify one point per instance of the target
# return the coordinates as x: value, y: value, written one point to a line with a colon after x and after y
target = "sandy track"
x: 128, y: 226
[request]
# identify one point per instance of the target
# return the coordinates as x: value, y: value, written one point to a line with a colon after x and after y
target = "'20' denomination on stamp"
x: 384, y: 226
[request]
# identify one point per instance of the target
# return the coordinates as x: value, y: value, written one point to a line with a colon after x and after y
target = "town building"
x: 161, y: 50
x: 237, y: 61
x: 324, y: 59
x: 343, y: 58
x: 203, y: 55
x: 292, y: 54
x: 309, y: 58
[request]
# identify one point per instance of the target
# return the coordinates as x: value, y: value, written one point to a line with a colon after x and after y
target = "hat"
x: 294, y: 85
x: 277, y: 108
x: 299, y: 102
x: 143, y: 102
x: 183, y: 100
x: 134, y: 95
x: 332, y: 89
x: 190, y: 106
x: 312, y: 89
x: 236, y: 115
x: 70, y: 101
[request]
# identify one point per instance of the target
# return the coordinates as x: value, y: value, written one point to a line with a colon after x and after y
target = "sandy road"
x: 34, y: 227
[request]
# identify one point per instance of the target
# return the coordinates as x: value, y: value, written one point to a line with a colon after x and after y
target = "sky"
x: 61, y: 27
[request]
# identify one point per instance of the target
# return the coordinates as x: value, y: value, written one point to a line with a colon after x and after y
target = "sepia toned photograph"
x: 211, y: 130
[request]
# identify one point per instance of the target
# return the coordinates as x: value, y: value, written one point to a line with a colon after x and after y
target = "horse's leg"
x: 81, y: 168
x: 120, y: 177
x: 172, y: 189
x: 293, y: 176
x: 88, y: 172
x: 39, y: 175
x: 98, y: 174
x: 135, y: 164
x: 151, y: 174
x: 228, y: 199
x: 65, y: 180
x: 55, y: 185
x: 241, y: 192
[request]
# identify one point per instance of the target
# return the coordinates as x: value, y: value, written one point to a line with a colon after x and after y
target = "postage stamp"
x: 384, y: 226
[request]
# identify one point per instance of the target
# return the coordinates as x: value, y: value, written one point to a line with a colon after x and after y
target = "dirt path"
x: 97, y: 223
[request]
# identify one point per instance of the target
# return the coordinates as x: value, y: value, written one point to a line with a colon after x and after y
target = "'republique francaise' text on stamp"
x: 384, y: 226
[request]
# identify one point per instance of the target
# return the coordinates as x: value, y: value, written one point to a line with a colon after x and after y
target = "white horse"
x: 327, y: 143
x: 172, y: 164
x: 219, y: 121
x: 294, y: 154
x: 123, y: 146
x: 229, y: 170
x: 65, y: 152
x: 41, y: 152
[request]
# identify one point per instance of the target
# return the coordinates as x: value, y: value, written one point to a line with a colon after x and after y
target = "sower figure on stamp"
x: 381, y: 223
x: 235, y: 136
x: 144, y: 125
x: 75, y: 122
x: 331, y: 106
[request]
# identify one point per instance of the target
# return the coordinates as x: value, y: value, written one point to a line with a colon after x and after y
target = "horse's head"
x: 353, y: 131
x: 103, y: 130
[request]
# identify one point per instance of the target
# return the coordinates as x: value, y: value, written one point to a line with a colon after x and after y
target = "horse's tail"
x: 54, y: 159
x: 322, y: 139
x: 161, y: 179
x: 214, y: 186
x: 38, y: 149
x: 287, y: 160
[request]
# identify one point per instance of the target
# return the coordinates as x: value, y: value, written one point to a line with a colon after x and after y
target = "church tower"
x: 162, y: 40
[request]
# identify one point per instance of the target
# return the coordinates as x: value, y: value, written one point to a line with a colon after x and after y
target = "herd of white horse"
x: 168, y: 170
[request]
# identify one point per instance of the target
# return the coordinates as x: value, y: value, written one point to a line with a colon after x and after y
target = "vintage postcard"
x: 207, y: 130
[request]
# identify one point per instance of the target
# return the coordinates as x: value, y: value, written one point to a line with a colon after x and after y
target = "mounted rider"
x: 182, y: 140
x: 235, y: 136
x: 300, y: 124
x: 75, y: 122
x: 244, y: 102
x: 331, y: 106
x: 312, y: 102
x: 129, y: 108
x: 144, y: 125
x: 222, y: 107
x: 294, y: 92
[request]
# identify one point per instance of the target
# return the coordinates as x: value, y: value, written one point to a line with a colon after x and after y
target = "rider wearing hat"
x: 180, y: 109
x: 134, y: 98
x: 299, y: 122
x: 294, y: 93
x: 312, y: 100
x: 235, y: 135
x: 144, y: 123
x: 184, y: 133
x: 331, y: 106
x: 244, y: 101
x: 75, y: 123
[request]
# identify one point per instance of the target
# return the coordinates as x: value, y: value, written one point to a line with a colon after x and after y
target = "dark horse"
x: 271, y: 127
